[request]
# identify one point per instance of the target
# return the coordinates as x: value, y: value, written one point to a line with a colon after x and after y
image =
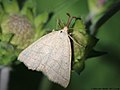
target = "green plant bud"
x: 20, y: 27
x: 79, y: 26
x: 80, y: 36
x: 80, y: 42
x: 78, y: 66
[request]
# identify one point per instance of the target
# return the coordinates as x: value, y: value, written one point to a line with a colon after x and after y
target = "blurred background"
x: 100, y: 72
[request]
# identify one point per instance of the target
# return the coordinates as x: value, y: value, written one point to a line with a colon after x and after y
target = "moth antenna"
x: 69, y: 19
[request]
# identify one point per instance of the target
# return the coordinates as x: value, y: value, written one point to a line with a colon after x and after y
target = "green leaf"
x: 10, y: 6
x: 4, y: 46
x: 7, y: 53
x: 39, y: 22
x: 60, y: 24
x: 94, y: 53
x: 41, y: 19
x: 6, y: 37
x: 39, y: 33
x: 91, y: 42
x: 1, y: 13
x: 7, y: 59
x: 28, y: 9
x: 4, y: 27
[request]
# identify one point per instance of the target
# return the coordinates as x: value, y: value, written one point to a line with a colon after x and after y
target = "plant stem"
x: 93, y: 29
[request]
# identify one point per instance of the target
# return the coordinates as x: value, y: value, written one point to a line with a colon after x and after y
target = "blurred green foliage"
x: 19, y: 28
x: 98, y: 7
x: 100, y: 72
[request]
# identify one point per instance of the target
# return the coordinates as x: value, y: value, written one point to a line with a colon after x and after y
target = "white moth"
x: 50, y: 54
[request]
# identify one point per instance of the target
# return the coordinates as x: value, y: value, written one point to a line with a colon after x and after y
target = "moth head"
x: 66, y: 28
x: 64, y: 31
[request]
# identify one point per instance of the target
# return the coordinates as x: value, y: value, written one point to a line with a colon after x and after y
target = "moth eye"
x: 61, y: 31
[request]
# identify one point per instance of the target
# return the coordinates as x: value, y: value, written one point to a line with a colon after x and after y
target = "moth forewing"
x: 50, y: 54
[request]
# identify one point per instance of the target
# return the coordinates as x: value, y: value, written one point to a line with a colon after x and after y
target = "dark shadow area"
x: 23, y: 79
